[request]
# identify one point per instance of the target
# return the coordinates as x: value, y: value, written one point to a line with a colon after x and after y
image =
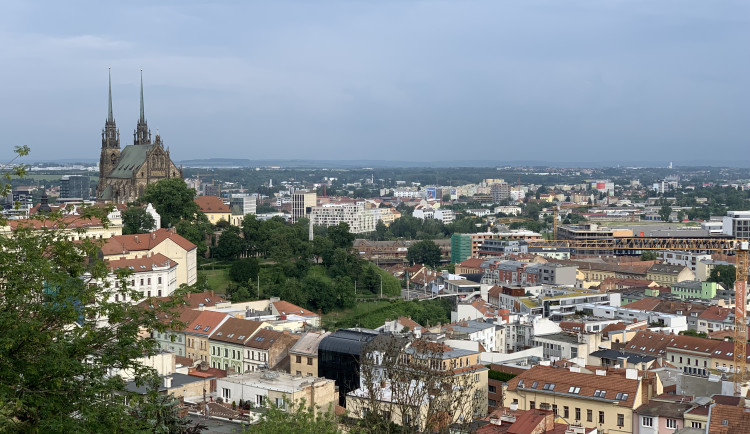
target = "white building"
x: 670, y: 322
x: 152, y: 276
x: 509, y: 210
x: 687, y: 259
x: 737, y: 224
x: 359, y: 219
x: 245, y: 202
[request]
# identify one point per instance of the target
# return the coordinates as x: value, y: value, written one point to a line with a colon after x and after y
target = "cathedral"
x: 125, y: 173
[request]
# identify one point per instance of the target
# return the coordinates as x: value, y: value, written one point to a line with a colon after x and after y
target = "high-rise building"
x: 359, y: 219
x: 302, y: 204
x: 75, y: 187
x: 500, y: 191
x: 737, y: 224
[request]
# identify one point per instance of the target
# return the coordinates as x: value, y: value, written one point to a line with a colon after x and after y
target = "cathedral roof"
x: 131, y: 158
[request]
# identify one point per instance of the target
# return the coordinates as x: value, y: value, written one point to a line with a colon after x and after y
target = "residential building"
x: 227, y: 344
x: 687, y: 259
x: 475, y: 331
x: 560, y: 346
x: 263, y: 388
x: 359, y: 219
x: 266, y: 349
x: 197, y: 334
x: 737, y: 224
x: 173, y: 340
x: 75, y: 187
x: 72, y: 227
x: 302, y: 204
x: 606, y: 399
x: 665, y: 274
x: 214, y: 208
x: 660, y: 416
x: 694, y: 289
x: 692, y: 354
x: 303, y: 356
x: 727, y: 419
x: 500, y: 191
x: 150, y: 276
x: 164, y: 241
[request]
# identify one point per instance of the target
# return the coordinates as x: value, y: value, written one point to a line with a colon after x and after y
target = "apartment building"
x: 359, y: 219
x: 665, y: 274
x: 150, y: 276
x: 737, y: 224
x: 692, y: 354
x: 687, y: 259
x: 302, y: 204
x: 303, y: 356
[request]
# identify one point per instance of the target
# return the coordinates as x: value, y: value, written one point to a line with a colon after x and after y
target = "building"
x: 72, y: 227
x: 560, y: 346
x: 460, y: 247
x: 266, y: 349
x: 214, y: 209
x: 150, y: 276
x: 302, y: 204
x: 303, y: 356
x: 687, y: 259
x: 500, y: 191
x: 263, y: 388
x: 359, y: 219
x: 590, y: 231
x: 692, y: 354
x: 737, y: 224
x: 227, y: 344
x: 75, y: 187
x: 339, y: 355
x: 125, y: 173
x: 666, y: 275
x: 606, y: 399
x: 694, y: 289
x: 242, y: 205
x: 197, y: 334
x: 163, y: 241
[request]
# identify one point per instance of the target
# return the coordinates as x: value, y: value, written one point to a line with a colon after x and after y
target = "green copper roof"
x: 131, y: 158
x: 107, y: 193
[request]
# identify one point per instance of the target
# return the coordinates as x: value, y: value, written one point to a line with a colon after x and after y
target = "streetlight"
x: 381, y: 285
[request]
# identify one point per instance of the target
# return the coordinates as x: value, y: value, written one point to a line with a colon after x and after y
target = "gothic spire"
x: 110, y: 116
x: 143, y: 113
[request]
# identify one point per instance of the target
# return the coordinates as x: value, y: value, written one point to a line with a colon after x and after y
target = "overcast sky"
x: 572, y: 80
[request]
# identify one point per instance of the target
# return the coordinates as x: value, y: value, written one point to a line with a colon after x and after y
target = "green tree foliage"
x: 231, y: 245
x: 426, y: 313
x: 172, y: 199
x: 724, y: 274
x: 424, y: 252
x: 665, y: 211
x: 55, y: 352
x: 340, y: 236
x: 135, y: 220
x: 297, y: 418
x: 648, y: 256
x: 694, y: 333
x: 244, y: 270
x: 196, y: 230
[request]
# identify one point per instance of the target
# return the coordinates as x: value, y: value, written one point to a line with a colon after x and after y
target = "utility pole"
x: 381, y: 285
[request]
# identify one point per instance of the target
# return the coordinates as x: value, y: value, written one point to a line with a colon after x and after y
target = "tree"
x: 665, y: 211
x: 196, y: 231
x: 231, y: 245
x: 424, y: 252
x: 724, y: 274
x: 135, y: 220
x: 340, y: 236
x: 172, y: 199
x: 648, y: 255
x: 244, y: 270
x: 296, y: 418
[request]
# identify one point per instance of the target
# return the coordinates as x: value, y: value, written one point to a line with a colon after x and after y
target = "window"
x: 578, y: 413
x: 280, y: 403
x: 672, y: 423
x: 226, y: 393
x: 620, y: 419
x: 600, y: 393
x: 476, y: 377
x: 621, y: 397
x: 566, y: 412
x: 647, y: 421
x: 698, y: 425
x: 158, y: 280
x: 259, y: 400
x: 491, y: 403
x: 554, y: 409
x: 141, y: 282
x: 149, y: 281
x: 309, y: 361
x: 299, y: 359
x: 589, y: 415
x: 574, y: 389
x: 601, y: 417
x: 532, y: 405
x: 549, y: 386
x: 491, y: 389
x: 533, y: 385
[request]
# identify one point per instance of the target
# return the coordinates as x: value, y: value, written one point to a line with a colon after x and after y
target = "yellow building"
x: 197, y: 334
x: 72, y: 227
x: 667, y: 275
x: 214, y: 209
x: 303, y: 356
x: 604, y: 399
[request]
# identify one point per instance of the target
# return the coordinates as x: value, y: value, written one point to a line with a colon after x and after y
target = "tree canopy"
x: 135, y: 220
x: 172, y: 199
x: 724, y: 274
x: 424, y: 252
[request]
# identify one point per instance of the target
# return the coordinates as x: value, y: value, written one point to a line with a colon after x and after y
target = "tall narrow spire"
x: 143, y: 113
x: 110, y: 116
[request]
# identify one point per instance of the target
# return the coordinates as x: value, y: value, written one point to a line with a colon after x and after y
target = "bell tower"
x: 142, y: 135
x: 110, y: 143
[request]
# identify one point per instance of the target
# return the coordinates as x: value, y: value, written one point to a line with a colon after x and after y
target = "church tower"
x: 110, y: 143
x: 142, y: 135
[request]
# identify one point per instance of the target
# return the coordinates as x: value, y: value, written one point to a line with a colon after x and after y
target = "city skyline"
x: 398, y: 81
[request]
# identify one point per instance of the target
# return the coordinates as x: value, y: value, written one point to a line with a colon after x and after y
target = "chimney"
x: 136, y: 239
x: 513, y: 406
x: 168, y: 382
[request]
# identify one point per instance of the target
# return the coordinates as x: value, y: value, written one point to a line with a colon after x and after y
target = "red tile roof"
x: 121, y: 244
x: 715, y: 313
x: 728, y: 419
x: 64, y: 222
x: 649, y: 343
x: 236, y: 331
x: 572, y: 326
x: 286, y: 308
x: 471, y: 263
x: 264, y: 339
x: 205, y: 323
x: 693, y: 344
x: 211, y: 204
x: 644, y: 304
x: 563, y: 379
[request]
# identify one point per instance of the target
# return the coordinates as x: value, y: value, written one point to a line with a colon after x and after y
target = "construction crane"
x: 722, y: 245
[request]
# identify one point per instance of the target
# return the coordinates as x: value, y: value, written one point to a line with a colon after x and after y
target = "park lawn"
x: 351, y: 315
x: 218, y: 279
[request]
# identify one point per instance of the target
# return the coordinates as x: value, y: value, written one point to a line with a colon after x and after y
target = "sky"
x: 573, y: 81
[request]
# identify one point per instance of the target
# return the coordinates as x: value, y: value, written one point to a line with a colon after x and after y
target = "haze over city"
x: 575, y: 81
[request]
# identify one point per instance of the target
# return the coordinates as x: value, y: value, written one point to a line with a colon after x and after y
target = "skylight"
x: 230, y: 335
x: 621, y: 396
x: 600, y: 393
x: 206, y: 329
x: 197, y: 327
x: 574, y: 389
x: 549, y: 386
x: 533, y: 385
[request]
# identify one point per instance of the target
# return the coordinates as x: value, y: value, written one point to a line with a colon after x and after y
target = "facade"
x: 606, y: 399
x: 500, y: 191
x: 737, y: 224
x: 266, y: 349
x: 197, y: 334
x: 338, y: 358
x: 227, y: 343
x: 692, y: 354
x: 152, y: 276
x: 125, y: 173
x: 73, y: 227
x: 173, y: 340
x: 273, y: 387
x: 687, y: 259
x: 691, y: 289
x: 359, y: 219
x: 302, y: 204
x: 163, y: 241
x: 666, y: 275
x: 75, y: 187
x: 460, y: 247
x: 214, y: 209
x: 303, y: 356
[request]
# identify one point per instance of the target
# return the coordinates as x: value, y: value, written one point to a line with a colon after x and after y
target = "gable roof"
x: 715, y: 313
x: 666, y: 269
x: 471, y: 263
x: 617, y: 388
x: 264, y: 339
x: 211, y: 204
x: 308, y: 343
x: 131, y: 159
x: 206, y: 323
x: 728, y: 419
x: 122, y: 244
x: 693, y: 344
x: 236, y: 331
x: 648, y: 342
x: 286, y: 308
x: 648, y: 303
x: 141, y: 265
